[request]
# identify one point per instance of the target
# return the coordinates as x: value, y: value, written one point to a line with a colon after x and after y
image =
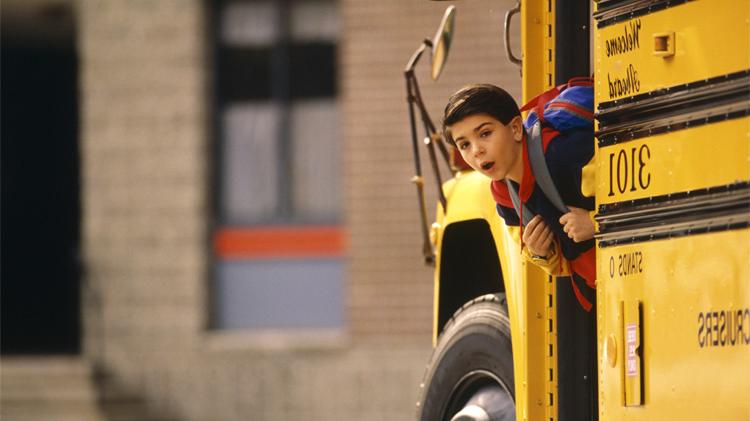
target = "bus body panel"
x: 684, y: 160
x: 673, y: 309
x: 694, y: 322
x: 708, y: 38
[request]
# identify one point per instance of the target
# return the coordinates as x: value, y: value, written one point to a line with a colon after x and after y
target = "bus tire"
x: 472, y: 362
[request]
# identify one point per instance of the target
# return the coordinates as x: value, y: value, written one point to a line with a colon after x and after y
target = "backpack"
x: 564, y: 108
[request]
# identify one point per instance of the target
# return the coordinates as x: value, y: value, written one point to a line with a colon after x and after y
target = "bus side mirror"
x: 442, y: 41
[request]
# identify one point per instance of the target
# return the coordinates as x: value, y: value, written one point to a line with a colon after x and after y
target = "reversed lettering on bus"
x: 626, y: 41
x: 626, y: 264
x: 625, y: 83
x: 724, y: 328
x: 629, y: 171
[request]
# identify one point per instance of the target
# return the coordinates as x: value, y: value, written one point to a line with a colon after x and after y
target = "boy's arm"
x: 550, y: 264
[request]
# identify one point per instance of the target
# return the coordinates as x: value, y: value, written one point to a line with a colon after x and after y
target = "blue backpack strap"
x: 540, y: 170
x: 527, y: 214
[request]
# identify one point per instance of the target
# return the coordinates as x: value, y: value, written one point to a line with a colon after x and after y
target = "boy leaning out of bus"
x: 485, y: 124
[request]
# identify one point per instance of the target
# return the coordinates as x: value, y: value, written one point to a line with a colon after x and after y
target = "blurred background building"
x: 206, y: 206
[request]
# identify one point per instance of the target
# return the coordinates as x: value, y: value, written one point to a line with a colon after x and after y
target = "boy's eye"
x: 463, y: 145
x: 485, y: 133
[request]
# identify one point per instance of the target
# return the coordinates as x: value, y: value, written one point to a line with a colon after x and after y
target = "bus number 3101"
x: 632, y: 175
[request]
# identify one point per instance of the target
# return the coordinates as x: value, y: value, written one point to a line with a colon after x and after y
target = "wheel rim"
x: 481, y: 396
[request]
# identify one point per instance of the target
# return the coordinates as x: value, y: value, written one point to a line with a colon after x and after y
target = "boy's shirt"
x: 569, y: 157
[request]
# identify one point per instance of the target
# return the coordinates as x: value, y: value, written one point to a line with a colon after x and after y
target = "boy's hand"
x: 577, y: 224
x: 538, y: 237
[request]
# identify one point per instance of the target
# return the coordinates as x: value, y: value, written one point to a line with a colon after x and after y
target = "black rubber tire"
x: 475, y: 340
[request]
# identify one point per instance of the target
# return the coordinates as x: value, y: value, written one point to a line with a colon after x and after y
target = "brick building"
x: 171, y: 307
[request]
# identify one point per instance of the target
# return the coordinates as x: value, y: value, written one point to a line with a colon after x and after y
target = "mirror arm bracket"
x: 426, y: 43
x: 506, y: 30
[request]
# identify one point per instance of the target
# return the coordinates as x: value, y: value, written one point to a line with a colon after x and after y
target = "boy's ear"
x: 516, y: 126
x: 448, y: 136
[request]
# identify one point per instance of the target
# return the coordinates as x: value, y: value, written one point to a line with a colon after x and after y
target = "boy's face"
x: 489, y: 146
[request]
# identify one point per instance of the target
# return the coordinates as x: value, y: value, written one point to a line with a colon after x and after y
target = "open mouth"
x: 487, y: 166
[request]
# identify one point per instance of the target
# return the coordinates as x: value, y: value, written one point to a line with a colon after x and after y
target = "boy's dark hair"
x: 479, y: 99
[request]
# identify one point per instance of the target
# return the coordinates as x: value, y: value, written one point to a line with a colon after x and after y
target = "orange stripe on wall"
x: 294, y: 242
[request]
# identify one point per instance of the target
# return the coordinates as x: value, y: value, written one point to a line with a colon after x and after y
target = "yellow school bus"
x: 672, y: 318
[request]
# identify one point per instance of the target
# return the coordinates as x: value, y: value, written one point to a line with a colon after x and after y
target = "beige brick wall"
x: 144, y: 178
x: 145, y: 143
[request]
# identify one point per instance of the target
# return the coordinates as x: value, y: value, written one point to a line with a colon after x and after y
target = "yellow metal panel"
x: 537, y: 44
x: 538, y: 353
x: 695, y: 325
x: 710, y: 38
x: 705, y: 156
x: 536, y: 357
